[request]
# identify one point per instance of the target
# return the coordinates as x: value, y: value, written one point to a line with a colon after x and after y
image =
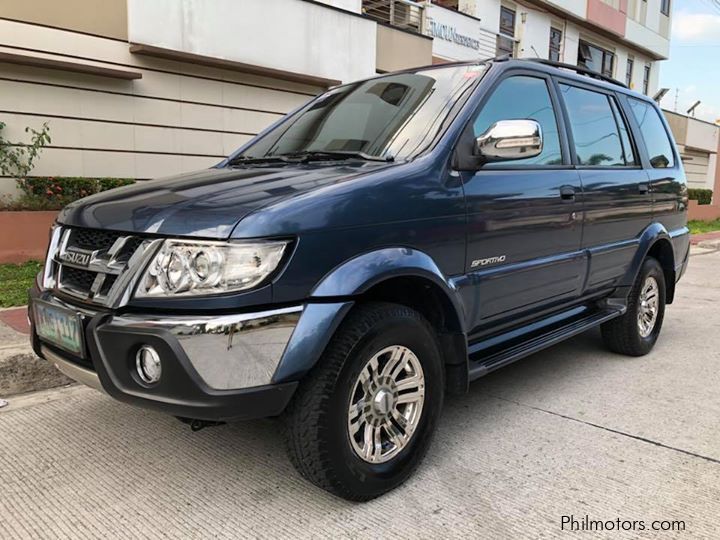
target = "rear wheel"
x: 362, y: 420
x: 636, y: 332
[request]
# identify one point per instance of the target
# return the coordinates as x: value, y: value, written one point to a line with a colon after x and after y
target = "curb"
x: 709, y: 244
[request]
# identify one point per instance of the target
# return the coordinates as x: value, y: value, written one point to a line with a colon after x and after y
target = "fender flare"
x: 359, y: 274
x: 336, y: 293
x: 652, y: 234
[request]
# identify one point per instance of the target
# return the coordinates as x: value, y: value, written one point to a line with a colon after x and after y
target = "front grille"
x: 77, y: 279
x: 93, y: 238
x: 87, y: 263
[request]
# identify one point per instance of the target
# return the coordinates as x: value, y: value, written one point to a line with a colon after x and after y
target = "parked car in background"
x: 386, y: 244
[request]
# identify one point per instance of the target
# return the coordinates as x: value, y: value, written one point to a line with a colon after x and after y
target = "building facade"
x: 698, y: 142
x: 624, y: 39
x: 147, y: 88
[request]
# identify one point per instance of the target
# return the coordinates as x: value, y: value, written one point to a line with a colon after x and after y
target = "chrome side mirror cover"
x: 510, y: 139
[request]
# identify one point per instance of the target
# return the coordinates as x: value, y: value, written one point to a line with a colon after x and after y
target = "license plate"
x: 59, y: 326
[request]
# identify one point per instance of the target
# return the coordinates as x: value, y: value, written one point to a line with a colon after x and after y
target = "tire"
x: 625, y: 335
x: 318, y: 421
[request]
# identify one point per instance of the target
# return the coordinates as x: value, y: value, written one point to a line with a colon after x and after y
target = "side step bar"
x: 484, y: 365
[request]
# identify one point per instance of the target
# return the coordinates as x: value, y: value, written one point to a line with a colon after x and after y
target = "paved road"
x: 573, y: 430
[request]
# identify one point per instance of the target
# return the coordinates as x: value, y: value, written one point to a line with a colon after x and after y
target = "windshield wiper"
x: 335, y: 155
x: 242, y: 160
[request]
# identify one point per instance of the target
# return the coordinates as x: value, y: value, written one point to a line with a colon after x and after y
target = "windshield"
x: 390, y: 117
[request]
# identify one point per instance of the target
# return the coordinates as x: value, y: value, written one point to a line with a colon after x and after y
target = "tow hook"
x: 197, y: 425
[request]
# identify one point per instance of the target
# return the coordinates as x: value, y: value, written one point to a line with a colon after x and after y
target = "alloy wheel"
x: 386, y: 404
x: 648, y: 307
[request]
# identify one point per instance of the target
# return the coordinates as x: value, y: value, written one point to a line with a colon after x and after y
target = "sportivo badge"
x: 486, y: 262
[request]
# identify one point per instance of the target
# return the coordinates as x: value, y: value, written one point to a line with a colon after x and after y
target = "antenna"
x: 691, y: 110
x: 676, y: 99
x: 533, y: 50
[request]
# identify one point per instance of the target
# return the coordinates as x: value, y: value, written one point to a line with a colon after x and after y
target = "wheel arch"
x: 655, y: 242
x: 400, y: 275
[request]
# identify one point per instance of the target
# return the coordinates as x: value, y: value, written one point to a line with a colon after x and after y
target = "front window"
x: 596, y: 58
x: 391, y: 117
x: 522, y: 97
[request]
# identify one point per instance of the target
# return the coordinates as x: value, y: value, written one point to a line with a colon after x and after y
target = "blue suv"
x: 378, y: 248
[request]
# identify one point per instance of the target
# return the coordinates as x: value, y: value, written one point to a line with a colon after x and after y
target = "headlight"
x: 183, y: 268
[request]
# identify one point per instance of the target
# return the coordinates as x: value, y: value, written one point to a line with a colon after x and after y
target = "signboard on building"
x: 457, y: 36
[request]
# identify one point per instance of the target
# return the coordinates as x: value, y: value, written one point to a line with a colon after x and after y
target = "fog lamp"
x: 147, y: 363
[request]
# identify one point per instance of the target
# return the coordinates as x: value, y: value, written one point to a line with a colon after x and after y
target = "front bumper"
x: 213, y: 368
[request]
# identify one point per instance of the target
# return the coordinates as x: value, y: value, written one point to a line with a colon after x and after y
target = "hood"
x: 208, y: 203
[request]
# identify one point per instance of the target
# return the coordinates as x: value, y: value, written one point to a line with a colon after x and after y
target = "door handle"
x: 644, y: 189
x: 567, y: 193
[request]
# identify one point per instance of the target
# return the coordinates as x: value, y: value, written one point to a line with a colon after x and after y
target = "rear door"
x: 616, y: 189
x: 524, y: 216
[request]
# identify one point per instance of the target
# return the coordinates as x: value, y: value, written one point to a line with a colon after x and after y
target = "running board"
x: 496, y: 360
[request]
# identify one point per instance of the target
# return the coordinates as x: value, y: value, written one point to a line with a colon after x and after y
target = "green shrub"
x: 702, y: 196
x: 55, y: 192
x: 17, y: 159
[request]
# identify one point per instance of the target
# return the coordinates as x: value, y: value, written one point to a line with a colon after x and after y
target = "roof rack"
x: 578, y: 69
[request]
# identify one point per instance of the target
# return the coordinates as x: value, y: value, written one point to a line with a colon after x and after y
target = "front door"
x: 524, y: 216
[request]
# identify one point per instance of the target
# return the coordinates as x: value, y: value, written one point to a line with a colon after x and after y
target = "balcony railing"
x: 404, y: 14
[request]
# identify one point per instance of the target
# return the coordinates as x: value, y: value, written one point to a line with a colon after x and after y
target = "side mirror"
x: 510, y: 139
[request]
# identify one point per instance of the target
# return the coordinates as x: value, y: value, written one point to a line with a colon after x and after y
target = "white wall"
x: 576, y: 7
x: 652, y: 20
x: 702, y: 135
x: 571, y: 42
x: 647, y: 38
x: 178, y: 117
x: 348, y: 5
x: 448, y: 23
x: 488, y: 11
x: 534, y: 33
x: 288, y: 35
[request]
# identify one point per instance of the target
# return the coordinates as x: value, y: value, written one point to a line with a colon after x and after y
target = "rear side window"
x: 599, y: 131
x: 523, y: 98
x: 653, y: 131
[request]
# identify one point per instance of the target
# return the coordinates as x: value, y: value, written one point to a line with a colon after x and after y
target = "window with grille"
x: 555, y: 41
x: 628, y: 72
x: 505, y: 40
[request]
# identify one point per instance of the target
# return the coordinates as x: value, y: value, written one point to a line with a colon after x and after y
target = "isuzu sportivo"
x: 383, y: 245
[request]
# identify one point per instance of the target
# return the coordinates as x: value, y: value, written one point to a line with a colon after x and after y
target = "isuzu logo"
x: 80, y: 258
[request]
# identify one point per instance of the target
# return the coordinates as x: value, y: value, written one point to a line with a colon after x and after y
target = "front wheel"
x: 362, y: 420
x: 636, y: 332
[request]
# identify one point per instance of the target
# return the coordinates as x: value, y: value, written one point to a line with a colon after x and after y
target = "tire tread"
x: 307, y: 415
